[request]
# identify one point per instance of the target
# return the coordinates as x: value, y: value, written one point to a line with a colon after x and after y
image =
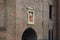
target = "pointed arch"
x: 29, y: 34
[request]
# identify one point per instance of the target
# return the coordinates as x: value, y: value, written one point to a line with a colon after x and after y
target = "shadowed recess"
x: 29, y: 34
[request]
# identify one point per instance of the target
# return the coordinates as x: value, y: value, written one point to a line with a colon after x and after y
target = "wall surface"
x: 11, y: 19
x: 58, y: 16
x: 14, y: 12
x: 2, y: 10
x: 40, y: 8
x: 7, y: 19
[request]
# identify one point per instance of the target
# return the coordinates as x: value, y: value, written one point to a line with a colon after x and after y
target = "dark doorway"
x: 29, y: 34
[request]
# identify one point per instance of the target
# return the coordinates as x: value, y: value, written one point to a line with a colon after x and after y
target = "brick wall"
x: 7, y: 19
x: 40, y: 7
x: 58, y: 20
x: 11, y: 17
x: 2, y: 18
x: 16, y: 18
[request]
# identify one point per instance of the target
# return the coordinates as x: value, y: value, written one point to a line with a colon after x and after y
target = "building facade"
x: 16, y: 24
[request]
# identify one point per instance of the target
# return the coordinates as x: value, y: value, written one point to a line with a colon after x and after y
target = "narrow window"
x: 50, y: 11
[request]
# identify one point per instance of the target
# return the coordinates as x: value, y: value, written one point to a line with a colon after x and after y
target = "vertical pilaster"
x: 11, y: 17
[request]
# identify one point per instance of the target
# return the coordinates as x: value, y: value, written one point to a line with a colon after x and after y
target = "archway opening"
x: 29, y: 34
